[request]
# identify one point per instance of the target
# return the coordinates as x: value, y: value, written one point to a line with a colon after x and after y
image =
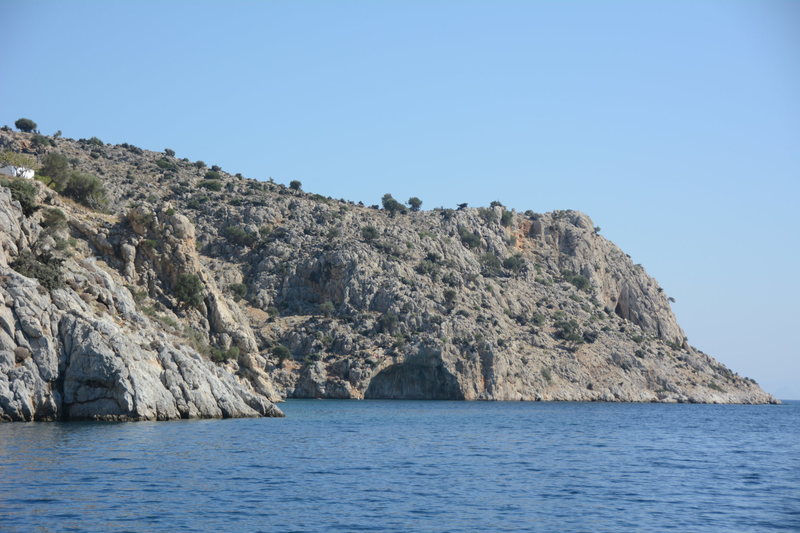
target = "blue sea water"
x: 413, y: 466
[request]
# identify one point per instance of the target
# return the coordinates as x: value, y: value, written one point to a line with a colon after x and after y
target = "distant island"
x: 139, y: 285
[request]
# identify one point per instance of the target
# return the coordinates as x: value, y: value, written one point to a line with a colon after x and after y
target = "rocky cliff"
x: 200, y: 293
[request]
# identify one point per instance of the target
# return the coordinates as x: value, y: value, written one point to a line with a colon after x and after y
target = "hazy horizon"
x: 674, y: 125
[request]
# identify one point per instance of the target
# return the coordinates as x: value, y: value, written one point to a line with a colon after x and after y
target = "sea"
x: 413, y: 466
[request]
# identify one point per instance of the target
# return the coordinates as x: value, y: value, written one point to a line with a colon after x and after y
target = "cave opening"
x: 408, y: 381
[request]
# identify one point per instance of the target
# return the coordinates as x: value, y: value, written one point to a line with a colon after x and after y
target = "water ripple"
x: 413, y: 466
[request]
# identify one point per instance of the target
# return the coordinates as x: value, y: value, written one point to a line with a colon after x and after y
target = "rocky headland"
x: 151, y: 287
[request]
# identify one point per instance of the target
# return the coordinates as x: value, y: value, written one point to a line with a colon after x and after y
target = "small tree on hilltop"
x: 25, y: 124
x: 392, y: 205
x: 415, y: 203
x: 295, y: 185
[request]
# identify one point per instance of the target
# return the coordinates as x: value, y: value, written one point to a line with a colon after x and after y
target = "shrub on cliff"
x: 449, y: 298
x: 470, y: 239
x: 86, y: 189
x: 415, y: 203
x: 44, y: 267
x: 515, y: 263
x: 387, y: 323
x: 327, y: 308
x: 22, y: 191
x: 295, y: 185
x: 238, y: 236
x: 580, y: 282
x: 490, y: 265
x: 569, y: 330
x: 487, y: 214
x: 54, y: 218
x: 166, y: 164
x: 189, y: 290
x: 38, y: 141
x: 281, y: 352
x: 211, y: 185
x: 239, y: 290
x: 220, y: 355
x: 369, y: 233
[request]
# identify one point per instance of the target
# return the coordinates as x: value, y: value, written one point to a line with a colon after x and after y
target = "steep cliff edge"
x: 199, y: 293
x: 74, y: 346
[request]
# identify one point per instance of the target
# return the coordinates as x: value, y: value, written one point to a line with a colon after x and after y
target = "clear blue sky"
x: 675, y: 125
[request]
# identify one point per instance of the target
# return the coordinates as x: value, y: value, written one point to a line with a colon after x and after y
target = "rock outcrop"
x: 204, y: 294
x: 83, y: 351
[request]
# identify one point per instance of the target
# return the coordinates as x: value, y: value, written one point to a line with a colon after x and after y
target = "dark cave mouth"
x: 409, y: 381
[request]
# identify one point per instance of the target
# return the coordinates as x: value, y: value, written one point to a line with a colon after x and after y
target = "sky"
x: 674, y: 124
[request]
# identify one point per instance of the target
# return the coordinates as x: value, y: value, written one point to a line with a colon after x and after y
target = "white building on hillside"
x: 17, y: 172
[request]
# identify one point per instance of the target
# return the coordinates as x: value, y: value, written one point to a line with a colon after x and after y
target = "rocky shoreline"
x: 197, y: 293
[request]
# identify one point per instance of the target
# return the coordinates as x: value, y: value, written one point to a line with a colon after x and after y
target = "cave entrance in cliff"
x: 408, y: 381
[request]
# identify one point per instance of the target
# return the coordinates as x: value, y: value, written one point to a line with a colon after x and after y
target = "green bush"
x: 429, y: 268
x: 57, y: 167
x: 239, y: 290
x: 25, y: 124
x: 189, y: 290
x: 218, y: 355
x: 41, y: 140
x: 169, y: 152
x: 239, y: 236
x: 166, y: 164
x: 369, y: 233
x: 515, y: 263
x: 580, y: 282
x: 490, y: 265
x: 568, y: 330
x: 415, y: 203
x: 295, y: 185
x: 24, y: 192
x: 200, y: 164
x: 387, y: 323
x: 281, y: 352
x: 449, y: 297
x: 44, y: 267
x: 327, y: 308
x: 54, y: 218
x: 93, y: 141
x: 391, y: 205
x: 86, y: 189
x: 211, y: 185
x: 488, y: 215
x: 468, y: 238
x: 506, y: 218
x: 213, y: 175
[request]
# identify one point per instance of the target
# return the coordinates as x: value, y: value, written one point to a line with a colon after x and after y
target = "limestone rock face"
x: 298, y: 295
x: 84, y: 351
